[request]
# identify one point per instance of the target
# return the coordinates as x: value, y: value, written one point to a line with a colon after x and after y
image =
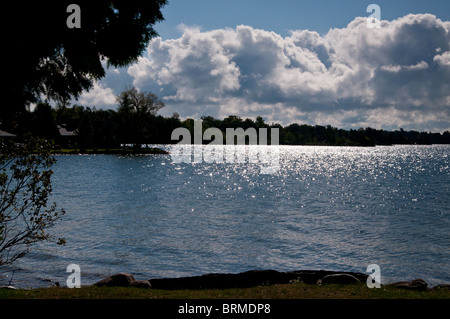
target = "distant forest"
x: 80, y: 127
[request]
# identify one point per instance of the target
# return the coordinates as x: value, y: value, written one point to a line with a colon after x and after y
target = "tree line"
x: 135, y: 122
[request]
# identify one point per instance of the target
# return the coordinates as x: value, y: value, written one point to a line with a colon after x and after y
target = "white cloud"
x: 396, y: 75
x: 422, y: 65
x: 98, y: 95
x: 193, y: 68
x: 443, y: 59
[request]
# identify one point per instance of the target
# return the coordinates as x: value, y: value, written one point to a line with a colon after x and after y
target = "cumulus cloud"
x: 388, y: 77
x: 194, y: 68
x: 98, y: 95
x: 443, y: 59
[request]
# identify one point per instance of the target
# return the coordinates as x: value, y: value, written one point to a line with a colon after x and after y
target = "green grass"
x: 282, y: 291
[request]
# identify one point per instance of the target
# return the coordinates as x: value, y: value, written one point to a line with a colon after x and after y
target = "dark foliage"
x: 25, y: 188
x: 43, y: 56
x: 103, y: 129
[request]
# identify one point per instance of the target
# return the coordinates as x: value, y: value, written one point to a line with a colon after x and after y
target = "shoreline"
x: 255, y: 278
x: 126, y: 151
x: 243, y: 280
x: 250, y: 285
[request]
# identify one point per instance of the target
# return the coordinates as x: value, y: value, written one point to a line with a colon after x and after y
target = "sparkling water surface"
x: 332, y: 208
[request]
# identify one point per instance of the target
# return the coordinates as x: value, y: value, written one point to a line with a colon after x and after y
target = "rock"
x: 417, y: 284
x: 123, y: 280
x: 8, y: 287
x: 141, y: 284
x: 117, y: 280
x: 340, y: 279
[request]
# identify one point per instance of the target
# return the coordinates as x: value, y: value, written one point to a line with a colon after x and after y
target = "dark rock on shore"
x: 122, y: 280
x: 340, y: 279
x: 253, y: 278
x: 141, y: 284
x: 417, y: 284
x: 117, y: 280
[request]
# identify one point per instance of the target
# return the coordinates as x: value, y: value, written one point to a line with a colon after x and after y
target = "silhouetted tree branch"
x: 25, y: 186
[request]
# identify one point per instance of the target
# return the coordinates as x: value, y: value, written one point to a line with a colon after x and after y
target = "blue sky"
x: 281, y: 16
x: 314, y: 62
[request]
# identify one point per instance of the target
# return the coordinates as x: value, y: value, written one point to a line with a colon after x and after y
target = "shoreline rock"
x: 416, y: 284
x: 122, y: 280
x: 341, y: 278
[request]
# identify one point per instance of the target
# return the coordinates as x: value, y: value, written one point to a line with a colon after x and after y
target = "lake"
x: 332, y: 208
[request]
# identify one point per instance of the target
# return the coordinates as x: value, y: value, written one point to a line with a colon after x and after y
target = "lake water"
x: 332, y: 208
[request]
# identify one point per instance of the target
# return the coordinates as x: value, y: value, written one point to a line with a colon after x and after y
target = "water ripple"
x: 337, y: 208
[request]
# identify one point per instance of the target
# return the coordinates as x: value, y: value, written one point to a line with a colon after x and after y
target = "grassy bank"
x: 282, y: 291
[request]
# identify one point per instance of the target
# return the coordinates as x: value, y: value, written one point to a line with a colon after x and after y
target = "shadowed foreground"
x: 262, y: 284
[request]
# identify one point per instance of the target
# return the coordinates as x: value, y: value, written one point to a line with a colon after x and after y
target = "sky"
x: 320, y: 62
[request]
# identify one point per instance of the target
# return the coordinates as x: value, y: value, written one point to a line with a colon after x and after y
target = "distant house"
x: 67, y: 135
x: 67, y: 131
x: 6, y: 135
